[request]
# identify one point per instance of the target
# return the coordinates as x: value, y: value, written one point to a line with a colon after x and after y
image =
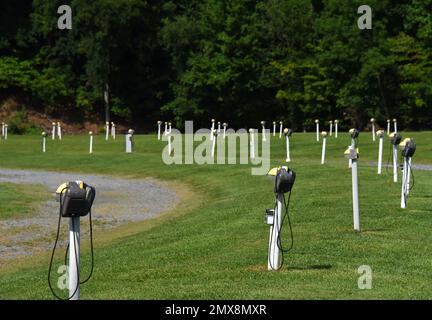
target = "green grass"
x: 19, y: 201
x: 218, y: 250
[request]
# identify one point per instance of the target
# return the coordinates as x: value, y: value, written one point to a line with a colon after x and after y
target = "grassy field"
x: 215, y: 247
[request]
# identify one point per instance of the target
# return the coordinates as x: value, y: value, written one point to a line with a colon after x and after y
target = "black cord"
x: 412, y: 175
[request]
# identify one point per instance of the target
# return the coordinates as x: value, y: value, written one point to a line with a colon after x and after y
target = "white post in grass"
x: 274, y: 128
x: 225, y: 125
x: 404, y: 181
x: 91, y: 142
x: 408, y: 175
x: 169, y: 143
x: 317, y: 129
x: 2, y: 129
x: 372, y: 120
x: 129, y: 141
x: 6, y: 132
x: 287, y: 133
x: 212, y: 128
x: 113, y: 130
x: 252, y: 143
x: 336, y: 128
x: 352, y: 154
x: 53, y: 132
x: 324, y: 136
x: 159, y: 129
x: 395, y: 140
x: 331, y: 128
x: 169, y: 127
x: 263, y: 131
x: 380, y: 134
x: 166, y: 128
x: 219, y: 127
x: 214, y: 143
x: 280, y: 129
x: 388, y: 126
x: 395, y: 125
x: 59, y: 130
x: 44, y: 141
x: 74, y: 254
x: 274, y: 250
x: 107, y: 130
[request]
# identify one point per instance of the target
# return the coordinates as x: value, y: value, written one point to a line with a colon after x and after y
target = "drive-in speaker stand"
x: 76, y: 199
x: 284, y: 181
x: 395, y: 140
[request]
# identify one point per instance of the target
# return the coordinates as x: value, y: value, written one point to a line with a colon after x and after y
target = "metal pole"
x: 336, y: 130
x: 74, y: 253
x: 274, y: 252
x: 355, y: 195
x: 331, y: 128
x: 107, y: 131
x: 404, y: 181
x: 263, y: 134
x: 91, y: 143
x: 395, y: 164
x: 373, y: 132
x: 213, y: 145
x: 252, y: 144
x: 380, y: 151
x: 53, y: 131
x: 408, y: 175
x: 323, y: 150
x: 159, y: 131
x: 352, y: 147
x: 288, y: 158
x: 317, y: 132
x: 280, y: 129
x: 274, y: 129
x: 44, y: 144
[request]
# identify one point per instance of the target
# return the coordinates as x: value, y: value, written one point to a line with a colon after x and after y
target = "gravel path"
x: 118, y: 201
x: 425, y: 167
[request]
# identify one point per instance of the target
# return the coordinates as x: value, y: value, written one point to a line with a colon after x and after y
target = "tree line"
x: 239, y: 61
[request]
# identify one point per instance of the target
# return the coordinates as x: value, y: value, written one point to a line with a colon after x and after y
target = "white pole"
x: 380, y: 151
x: 214, y: 144
x: 280, y: 129
x: 166, y: 128
x: 331, y: 128
x: 355, y: 195
x: 113, y: 130
x: 53, y: 130
x: 6, y: 131
x: 169, y: 127
x: 404, y: 181
x: 106, y: 131
x: 43, y: 143
x: 252, y: 144
x: 129, y: 141
x: 408, y: 175
x: 224, y: 131
x: 288, y: 158
x: 263, y: 133
x: 336, y: 128
x: 59, y: 131
x: 352, y: 147
x: 169, y: 144
x: 317, y: 130
x: 395, y: 164
x: 323, y: 149
x: 395, y: 125
x: 219, y: 127
x: 91, y: 142
x: 2, y: 129
x: 388, y: 127
x: 159, y: 130
x: 373, y: 129
x: 212, y: 128
x: 273, y: 259
x: 74, y: 253
x: 274, y: 128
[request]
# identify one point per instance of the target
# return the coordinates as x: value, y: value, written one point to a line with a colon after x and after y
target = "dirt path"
x: 118, y: 201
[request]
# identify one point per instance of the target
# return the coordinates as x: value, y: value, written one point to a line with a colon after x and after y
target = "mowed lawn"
x: 218, y: 249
